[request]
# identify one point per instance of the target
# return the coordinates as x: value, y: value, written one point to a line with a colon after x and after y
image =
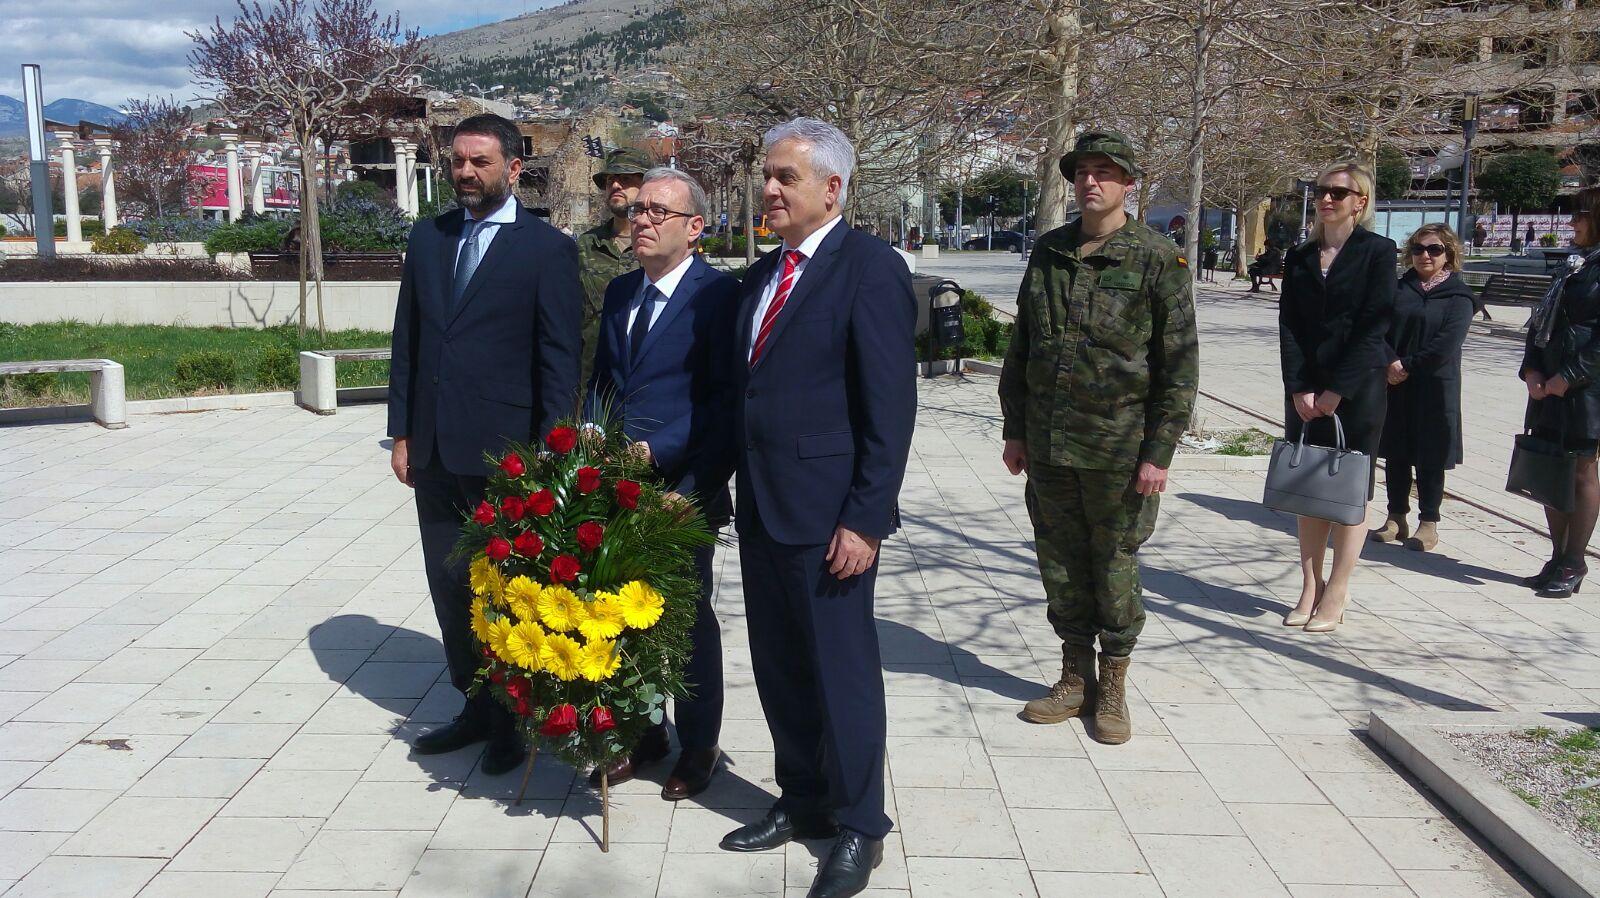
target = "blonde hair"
x: 1364, y: 186
x: 1453, y: 249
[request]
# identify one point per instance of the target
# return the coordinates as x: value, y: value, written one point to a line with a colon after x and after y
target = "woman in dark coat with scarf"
x: 1560, y: 366
x: 1432, y: 311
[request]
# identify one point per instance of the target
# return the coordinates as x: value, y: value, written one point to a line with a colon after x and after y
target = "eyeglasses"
x: 1433, y: 249
x: 1337, y: 193
x: 656, y: 214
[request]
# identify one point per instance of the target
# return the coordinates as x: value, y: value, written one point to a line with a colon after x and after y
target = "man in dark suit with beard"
x: 486, y: 351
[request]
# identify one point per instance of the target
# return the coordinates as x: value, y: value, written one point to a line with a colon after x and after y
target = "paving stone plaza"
x: 217, y: 644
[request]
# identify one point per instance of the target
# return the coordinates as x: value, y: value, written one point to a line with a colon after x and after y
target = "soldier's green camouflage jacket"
x: 1104, y: 362
x: 600, y: 263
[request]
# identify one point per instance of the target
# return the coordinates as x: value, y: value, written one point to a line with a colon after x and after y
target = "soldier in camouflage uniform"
x: 1098, y: 385
x: 605, y: 251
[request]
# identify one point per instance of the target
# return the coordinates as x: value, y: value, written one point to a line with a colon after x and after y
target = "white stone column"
x: 230, y: 145
x: 108, y: 184
x: 413, y: 189
x: 399, y: 144
x: 69, y: 185
x: 255, y: 157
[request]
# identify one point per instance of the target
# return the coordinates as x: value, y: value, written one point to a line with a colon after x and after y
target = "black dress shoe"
x: 1537, y: 580
x: 467, y: 729
x: 1567, y: 580
x: 692, y: 774
x: 506, y: 753
x: 776, y: 829
x: 848, y: 867
x: 653, y: 746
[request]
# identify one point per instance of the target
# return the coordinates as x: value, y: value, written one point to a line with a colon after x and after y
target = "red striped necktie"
x: 791, y: 261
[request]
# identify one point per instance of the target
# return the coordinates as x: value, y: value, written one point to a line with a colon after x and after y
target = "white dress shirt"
x: 807, y: 248
x: 506, y: 214
x: 667, y: 284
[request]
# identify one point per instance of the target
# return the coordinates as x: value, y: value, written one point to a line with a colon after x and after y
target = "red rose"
x: 589, y: 536
x: 600, y: 720
x: 563, y: 719
x: 561, y: 440
x: 563, y: 568
x: 512, y: 465
x: 528, y: 544
x: 484, y: 514
x: 498, y: 549
x: 512, y: 507
x: 627, y: 494
x: 523, y: 708
x: 498, y: 678
x: 541, y: 503
x: 519, y: 687
x: 588, y: 479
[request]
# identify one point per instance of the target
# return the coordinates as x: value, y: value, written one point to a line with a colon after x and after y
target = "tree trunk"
x: 749, y: 217
x: 1066, y: 31
x: 1197, y: 159
x: 1252, y: 235
x: 310, y: 237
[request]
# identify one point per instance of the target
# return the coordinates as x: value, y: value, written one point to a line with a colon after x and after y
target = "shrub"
x: 2, y: 230
x: 362, y: 190
x: 29, y: 384
x: 723, y: 246
x: 278, y: 366
x: 92, y: 227
x: 248, y: 235
x: 175, y: 229
x: 205, y: 370
x: 363, y: 225
x: 118, y: 242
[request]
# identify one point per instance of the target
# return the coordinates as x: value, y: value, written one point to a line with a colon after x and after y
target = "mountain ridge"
x: 14, y: 119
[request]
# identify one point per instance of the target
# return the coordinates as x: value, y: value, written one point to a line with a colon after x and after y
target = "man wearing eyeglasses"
x: 663, y: 333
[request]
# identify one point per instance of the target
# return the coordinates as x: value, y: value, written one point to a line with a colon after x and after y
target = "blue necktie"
x: 641, y: 324
x: 466, y: 260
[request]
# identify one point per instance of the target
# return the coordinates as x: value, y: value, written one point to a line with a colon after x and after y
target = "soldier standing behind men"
x: 1098, y: 385
x: 605, y: 251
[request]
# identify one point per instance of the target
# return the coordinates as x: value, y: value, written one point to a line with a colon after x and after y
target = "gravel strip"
x: 1561, y: 783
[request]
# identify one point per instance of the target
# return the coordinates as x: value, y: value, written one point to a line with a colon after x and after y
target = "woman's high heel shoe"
x: 1537, y: 580
x: 1296, y: 618
x: 1562, y: 584
x: 1324, y: 626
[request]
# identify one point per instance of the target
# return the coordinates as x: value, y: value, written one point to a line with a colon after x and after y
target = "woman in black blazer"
x: 1338, y: 293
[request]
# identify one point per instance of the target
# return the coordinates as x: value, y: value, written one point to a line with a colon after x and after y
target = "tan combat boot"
x: 1394, y: 530
x: 1072, y: 695
x: 1427, y: 537
x: 1111, y: 723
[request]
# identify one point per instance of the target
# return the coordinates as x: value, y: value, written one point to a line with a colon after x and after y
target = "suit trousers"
x: 443, y: 502
x: 699, y: 715
x: 814, y: 651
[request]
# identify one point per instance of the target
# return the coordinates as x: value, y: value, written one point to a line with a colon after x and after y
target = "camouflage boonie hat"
x: 1105, y: 143
x: 623, y: 161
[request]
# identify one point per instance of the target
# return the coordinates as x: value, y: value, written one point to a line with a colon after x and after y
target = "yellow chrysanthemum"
x: 641, y: 605
x: 562, y: 656
x: 522, y: 597
x: 499, y: 632
x: 480, y: 619
x: 602, y: 618
x: 600, y: 659
x: 485, y: 578
x: 524, y: 646
x: 560, y: 609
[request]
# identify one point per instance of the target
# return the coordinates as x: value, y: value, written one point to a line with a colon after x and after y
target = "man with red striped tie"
x: 826, y: 403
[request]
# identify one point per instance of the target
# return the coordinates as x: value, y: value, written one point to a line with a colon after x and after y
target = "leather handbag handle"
x: 1338, y: 440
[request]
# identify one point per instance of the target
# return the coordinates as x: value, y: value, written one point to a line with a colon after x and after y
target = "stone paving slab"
x: 215, y: 647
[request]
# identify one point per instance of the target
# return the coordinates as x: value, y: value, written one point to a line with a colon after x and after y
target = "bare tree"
x: 297, y: 67
x: 153, y: 156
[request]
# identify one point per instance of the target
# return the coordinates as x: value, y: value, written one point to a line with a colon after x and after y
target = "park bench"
x: 336, y: 266
x: 108, y: 399
x: 1514, y: 289
x: 319, y: 388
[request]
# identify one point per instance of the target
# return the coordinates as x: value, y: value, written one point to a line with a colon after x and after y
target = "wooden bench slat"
x: 51, y: 367
x: 355, y: 355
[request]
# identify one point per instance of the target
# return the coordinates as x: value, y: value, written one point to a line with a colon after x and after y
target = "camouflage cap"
x: 1105, y: 143
x: 623, y: 161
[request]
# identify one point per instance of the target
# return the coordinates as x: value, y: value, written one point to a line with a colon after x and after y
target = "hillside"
x: 14, y: 123
x: 577, y: 47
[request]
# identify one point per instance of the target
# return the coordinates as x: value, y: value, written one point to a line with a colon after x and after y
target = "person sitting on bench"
x: 1267, y: 265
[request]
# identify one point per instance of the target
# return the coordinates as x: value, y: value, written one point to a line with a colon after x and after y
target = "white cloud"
x: 107, y: 51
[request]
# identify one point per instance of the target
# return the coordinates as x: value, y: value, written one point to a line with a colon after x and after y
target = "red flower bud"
x: 561, y: 439
x: 497, y: 677
x: 519, y: 687
x: 563, y: 719
x: 588, y: 479
x: 484, y: 514
x: 512, y: 507
x: 563, y: 568
x: 541, y: 503
x: 497, y: 549
x: 512, y: 465
x: 589, y: 535
x: 627, y: 494
x: 600, y: 720
x: 528, y: 544
x: 523, y: 708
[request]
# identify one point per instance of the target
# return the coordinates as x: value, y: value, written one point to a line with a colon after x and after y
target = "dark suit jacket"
x: 1331, y: 333
x: 502, y: 364
x: 674, y: 396
x: 822, y: 424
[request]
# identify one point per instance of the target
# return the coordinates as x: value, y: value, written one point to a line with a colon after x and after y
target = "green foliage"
x: 205, y: 370
x: 1003, y: 183
x: 1246, y: 443
x: 1584, y: 740
x: 2, y: 230
x: 92, y: 227
x: 29, y: 384
x: 983, y: 335
x: 279, y: 367
x: 1532, y: 799
x: 119, y: 241
x: 249, y: 234
x: 363, y: 225
x: 1393, y: 175
x: 723, y: 246
x: 361, y: 190
x: 545, y: 63
x: 175, y: 229
x: 1522, y: 181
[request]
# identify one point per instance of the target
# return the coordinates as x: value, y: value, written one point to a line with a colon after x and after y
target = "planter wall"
x: 252, y: 304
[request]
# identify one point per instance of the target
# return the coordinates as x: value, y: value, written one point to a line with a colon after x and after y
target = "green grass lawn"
x: 150, y: 354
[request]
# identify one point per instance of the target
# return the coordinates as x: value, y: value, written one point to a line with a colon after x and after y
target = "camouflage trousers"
x: 1087, y: 526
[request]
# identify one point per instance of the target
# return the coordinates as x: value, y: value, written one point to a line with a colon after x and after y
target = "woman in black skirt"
x: 1338, y: 294
x: 1559, y: 365
x: 1432, y: 311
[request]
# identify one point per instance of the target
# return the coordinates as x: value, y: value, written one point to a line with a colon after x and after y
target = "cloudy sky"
x: 106, y: 51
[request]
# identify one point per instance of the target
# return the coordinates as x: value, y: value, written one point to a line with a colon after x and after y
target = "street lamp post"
x: 44, y: 220
x: 1469, y: 127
